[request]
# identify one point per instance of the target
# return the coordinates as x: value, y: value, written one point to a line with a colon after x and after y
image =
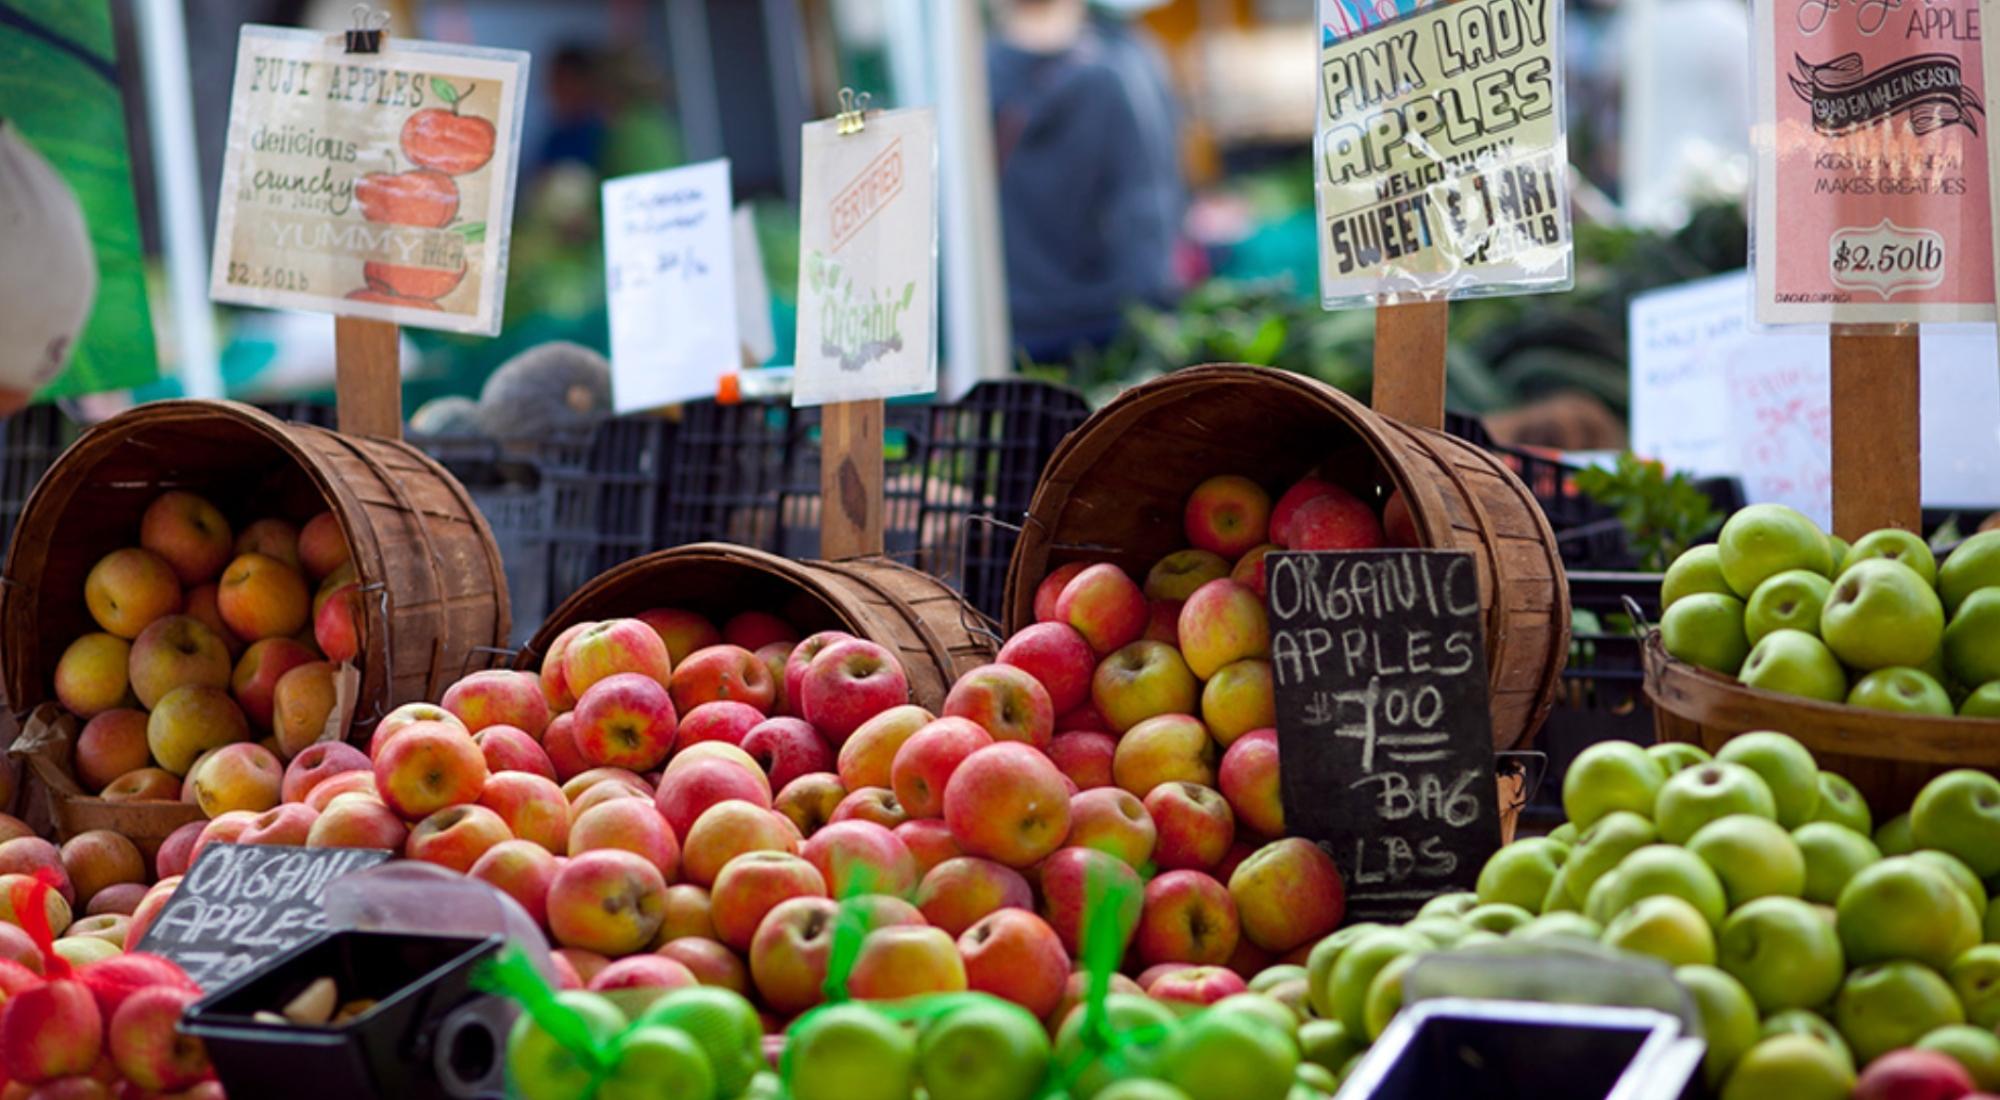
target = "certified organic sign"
x: 868, y: 260
x: 1440, y: 154
x: 371, y: 185
x: 1872, y: 180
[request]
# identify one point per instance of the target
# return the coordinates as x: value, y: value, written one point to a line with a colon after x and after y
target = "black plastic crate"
x: 1602, y: 695
x: 316, y: 413
x: 607, y: 492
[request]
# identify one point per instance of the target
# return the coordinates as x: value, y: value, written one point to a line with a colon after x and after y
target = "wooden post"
x: 850, y: 480
x: 1877, y: 445
x: 367, y: 378
x: 1409, y: 361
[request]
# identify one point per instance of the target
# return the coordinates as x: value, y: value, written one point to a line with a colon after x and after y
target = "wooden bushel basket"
x: 931, y: 629
x: 1889, y: 757
x: 434, y: 596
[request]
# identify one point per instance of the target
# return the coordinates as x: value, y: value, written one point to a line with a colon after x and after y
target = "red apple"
x: 1105, y: 607
x: 684, y: 632
x: 1248, y: 777
x: 610, y: 902
x: 1050, y: 590
x: 1006, y: 802
x: 1195, y: 826
x: 1084, y: 756
x: 686, y: 791
x: 626, y: 720
x: 559, y: 742
x: 753, y: 630
x: 723, y: 673
x: 849, y: 683
x: 960, y: 892
x: 316, y: 763
x: 1190, y: 987
x: 255, y: 679
x: 1008, y: 702
x: 532, y: 806
x: 555, y: 682
x: 1303, y: 490
x: 1163, y: 622
x: 338, y: 623
x: 775, y: 655
x: 722, y: 720
x: 925, y: 762
x: 787, y: 748
x: 617, y: 647
x: 523, y: 871
x: 1115, y: 822
x: 790, y: 951
x: 456, y: 836
x: 290, y: 824
x: 1014, y: 954
x: 753, y: 884
x: 929, y: 840
x: 730, y: 829
x: 1287, y: 893
x: 356, y: 782
x: 1187, y: 917
x: 427, y: 767
x: 358, y: 821
x: 1227, y: 515
x: 1335, y: 522
x: 709, y: 961
x: 510, y: 749
x: 643, y: 972
x: 800, y: 659
x: 861, y: 856
x: 499, y: 697
x: 1083, y: 881
x: 1058, y: 657
x: 627, y: 825
x: 1249, y: 570
x: 877, y: 804
x: 1399, y: 527
x: 49, y: 1031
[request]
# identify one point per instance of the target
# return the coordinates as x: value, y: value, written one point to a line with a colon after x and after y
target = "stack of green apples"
x: 1881, y: 624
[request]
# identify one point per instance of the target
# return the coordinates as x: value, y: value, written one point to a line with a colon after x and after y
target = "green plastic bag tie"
x: 850, y: 927
x: 1103, y: 941
x: 510, y: 974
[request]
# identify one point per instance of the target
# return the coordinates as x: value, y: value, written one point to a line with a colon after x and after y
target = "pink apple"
x: 1014, y: 954
x: 906, y: 961
x: 1084, y: 757
x: 1074, y: 989
x: 683, y: 632
x: 499, y: 697
x: 849, y: 683
x: 1287, y: 893
x: 176, y: 852
x: 324, y: 792
x: 790, y: 951
x: 1221, y: 623
x: 1303, y: 490
x: 610, y: 902
x: 576, y: 786
x: 711, y: 962
x: 929, y: 840
x: 290, y: 824
x: 643, y: 972
x: 358, y: 821
x: 752, y: 885
x: 405, y: 716
x: 877, y: 804
x: 1076, y: 881
x: 1190, y: 987
x: 145, y: 1044
x: 316, y: 763
x: 559, y: 742
x: 775, y: 655
x: 1006, y: 802
x: 685, y: 792
x: 1915, y: 1074
x: 1249, y: 570
x: 1227, y: 515
x: 1050, y: 590
x: 1084, y: 719
x: 427, y: 767
x: 729, y: 829
x: 800, y: 659
x: 1249, y: 780
x: 120, y: 898
x: 958, y: 893
x: 1188, y: 917
x: 1195, y: 826
x: 523, y: 871
x: 1008, y: 702
x: 322, y: 546
x: 254, y: 681
x: 868, y: 755
x: 1105, y: 607
x: 723, y: 673
x: 456, y: 836
x: 532, y: 806
x: 808, y: 801
x: 1058, y: 657
x: 626, y: 720
x: 753, y: 630
x: 722, y: 720
x: 555, y: 683
x: 617, y: 647
x: 1115, y: 822
x: 510, y: 749
x: 787, y: 748
x: 1163, y: 622
x: 578, y: 963
x: 925, y: 762
x: 862, y: 856
x: 628, y: 825
x: 1335, y: 522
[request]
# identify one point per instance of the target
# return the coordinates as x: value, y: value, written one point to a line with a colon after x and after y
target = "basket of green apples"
x: 1881, y: 658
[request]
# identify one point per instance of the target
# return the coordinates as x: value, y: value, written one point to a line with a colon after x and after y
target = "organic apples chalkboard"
x: 1378, y: 660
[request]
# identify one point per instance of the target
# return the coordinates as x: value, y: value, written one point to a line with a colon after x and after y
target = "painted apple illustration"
x: 446, y: 140
x: 428, y: 283
x: 387, y: 298
x: 424, y: 197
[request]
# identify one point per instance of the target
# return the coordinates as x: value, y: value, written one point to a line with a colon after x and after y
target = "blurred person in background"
x: 1089, y: 214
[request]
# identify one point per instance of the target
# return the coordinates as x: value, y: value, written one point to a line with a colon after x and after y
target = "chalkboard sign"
x: 1387, y: 747
x: 241, y: 904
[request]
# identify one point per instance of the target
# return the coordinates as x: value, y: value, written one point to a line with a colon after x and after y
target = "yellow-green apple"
x: 611, y: 648
x: 109, y: 927
x: 1223, y: 622
x: 1141, y: 681
x: 1792, y: 600
x: 1169, y: 748
x: 273, y: 538
x: 1248, y: 778
x: 112, y: 743
x: 50, y: 1031
x: 1763, y: 540
x: 1344, y: 993
x: 626, y: 720
x: 576, y: 786
x: 1194, y: 826
x: 1249, y: 569
x: 847, y: 684
x: 360, y: 782
x: 203, y: 603
x: 1975, y: 977
x: 302, y: 704
x: 1707, y: 630
x: 97, y: 858
x: 630, y: 825
x: 799, y: 660
x: 357, y: 820
x: 929, y: 841
x: 1006, y: 802
x: 93, y: 675
x: 1840, y: 803
x: 559, y: 742
x: 127, y: 589
x: 1893, y: 544
x: 1792, y: 662
x: 188, y: 533
x: 960, y: 892
x: 1187, y: 917
x: 1176, y: 576
x: 1080, y: 882
x: 753, y: 884
x: 262, y: 597
x: 143, y: 785
x: 1611, y: 776
x: 785, y: 748
x: 1887, y: 1005
x: 862, y: 855
x: 1335, y: 521
x: 523, y: 871
x: 1959, y: 813
x: 322, y: 546
x: 987, y: 1049
x: 712, y: 963
x: 754, y: 630
x: 1058, y: 657
x: 511, y: 749
x: 866, y: 757
x: 1692, y: 798
x: 1103, y: 604
x: 1049, y: 590
x: 456, y: 836
x: 1115, y: 822
x: 1015, y: 955
x: 926, y: 761
x: 1786, y: 767
x: 1881, y: 614
x: 1084, y: 757
x: 338, y: 622
x: 1288, y: 893
x: 120, y: 898
x: 288, y: 824
x: 1227, y: 515
x: 428, y: 766
x: 1972, y: 641
x: 1521, y: 873
x: 1657, y: 869
x: 850, y: 1053
x: 683, y: 632
x: 497, y: 697
x: 808, y: 801
x: 1163, y: 622
x: 1754, y: 857
x: 906, y: 961
x: 255, y: 679
x: 555, y: 681
x: 789, y: 953
x: 1186, y: 988
x: 1905, y: 908
x: 409, y: 713
x: 688, y: 791
x: 609, y: 901
x: 176, y: 651
x: 729, y: 829
x: 723, y: 673
x: 1663, y: 927
x: 1698, y: 569
x: 689, y: 911
x: 532, y: 807
x: 241, y: 776
x: 775, y: 655
x: 1727, y: 1015
x: 1237, y: 699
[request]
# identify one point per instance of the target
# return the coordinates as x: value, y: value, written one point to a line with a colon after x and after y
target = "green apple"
x: 1764, y: 540
x: 1603, y: 846
x: 1783, y: 951
x: 1784, y: 765
x: 1973, y: 566
x: 1455, y: 904
x: 1706, y: 630
x: 1890, y: 1005
x: 1520, y: 873
x: 1894, y: 836
x: 1573, y: 926
x: 987, y: 1050
x: 1795, y: 1067
x: 1564, y: 834
x: 1666, y: 928
x: 726, y: 1026
x: 1895, y: 545
x: 851, y: 1052
x: 1313, y: 1082
x: 1753, y: 856
x: 541, y: 1068
x: 1693, y: 798
x: 1657, y: 869
x: 1276, y: 975
x: 1229, y: 1056
x: 1959, y: 812
x: 1319, y: 964
x: 1836, y: 548
x: 1972, y: 641
x: 1793, y: 662
x: 1984, y: 702
x: 1833, y: 854
x: 1975, y: 977
x: 1607, y: 777
x: 1812, y: 1025
x: 1328, y: 1043
x: 766, y: 1085
x: 1960, y: 875
x: 1125, y: 1012
x: 1990, y: 926
x: 1357, y: 967
x: 1385, y: 996
x: 1442, y: 931
x: 1697, y: 570
x: 1558, y: 899
x: 1792, y: 600
x: 1677, y: 756
x: 1499, y: 918
x: 1882, y: 615
x: 1142, y: 1088
x: 1840, y: 802
x: 1902, y: 690
x: 1728, y: 1017
x: 1903, y: 908
x: 1263, y: 1007
x: 658, y: 1061
x: 1975, y: 1048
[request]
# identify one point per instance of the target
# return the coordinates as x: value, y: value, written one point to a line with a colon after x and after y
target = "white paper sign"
x: 868, y: 260
x: 1712, y: 395
x: 670, y: 283
x: 753, y: 293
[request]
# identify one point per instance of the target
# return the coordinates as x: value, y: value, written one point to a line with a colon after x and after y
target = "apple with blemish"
x: 608, y: 901
x: 303, y: 704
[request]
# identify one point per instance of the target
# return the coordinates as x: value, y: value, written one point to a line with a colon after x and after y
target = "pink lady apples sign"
x: 1872, y: 177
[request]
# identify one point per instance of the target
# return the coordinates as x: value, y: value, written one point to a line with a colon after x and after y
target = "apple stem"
x: 462, y: 95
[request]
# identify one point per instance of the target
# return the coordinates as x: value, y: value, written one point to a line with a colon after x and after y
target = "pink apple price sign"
x: 1378, y: 658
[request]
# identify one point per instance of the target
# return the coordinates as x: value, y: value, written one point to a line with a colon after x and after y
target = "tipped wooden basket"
x: 931, y: 629
x: 1889, y: 757
x: 434, y: 595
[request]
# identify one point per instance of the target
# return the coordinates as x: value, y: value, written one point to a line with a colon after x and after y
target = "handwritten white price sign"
x: 670, y: 280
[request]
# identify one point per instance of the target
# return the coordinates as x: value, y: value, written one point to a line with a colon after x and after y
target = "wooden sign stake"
x: 850, y: 438
x: 1877, y: 444
x: 367, y: 378
x: 1409, y: 361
